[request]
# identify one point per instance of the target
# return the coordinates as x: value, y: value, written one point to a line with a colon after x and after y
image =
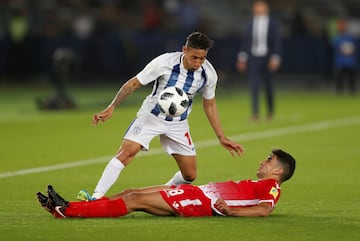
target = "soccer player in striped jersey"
x: 193, y: 73
x: 230, y: 198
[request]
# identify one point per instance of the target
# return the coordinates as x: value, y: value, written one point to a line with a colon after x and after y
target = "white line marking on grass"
x: 316, y: 126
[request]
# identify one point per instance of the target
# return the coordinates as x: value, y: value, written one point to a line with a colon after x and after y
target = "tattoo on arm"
x: 126, y: 90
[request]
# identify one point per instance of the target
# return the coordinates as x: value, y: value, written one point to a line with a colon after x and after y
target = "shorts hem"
x: 143, y: 147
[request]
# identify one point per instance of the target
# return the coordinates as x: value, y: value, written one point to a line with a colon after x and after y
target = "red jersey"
x: 194, y: 201
x: 243, y: 193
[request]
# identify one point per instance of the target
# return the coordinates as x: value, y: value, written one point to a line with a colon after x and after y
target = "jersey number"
x: 174, y: 192
x: 186, y: 202
x: 187, y: 135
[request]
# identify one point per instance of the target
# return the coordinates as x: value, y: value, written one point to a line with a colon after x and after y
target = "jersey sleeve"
x: 269, y: 193
x: 151, y: 71
x: 209, y: 89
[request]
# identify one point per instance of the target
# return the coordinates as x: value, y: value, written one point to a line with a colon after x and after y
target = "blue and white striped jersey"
x: 168, y: 70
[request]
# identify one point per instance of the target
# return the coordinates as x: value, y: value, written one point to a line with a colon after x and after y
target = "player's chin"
x: 193, y: 68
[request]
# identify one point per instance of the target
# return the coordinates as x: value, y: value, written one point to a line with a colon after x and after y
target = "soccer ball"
x: 173, y: 101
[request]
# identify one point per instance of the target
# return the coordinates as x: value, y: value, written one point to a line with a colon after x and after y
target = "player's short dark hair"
x: 266, y: 2
x: 198, y: 40
x: 287, y: 161
x: 262, y: 1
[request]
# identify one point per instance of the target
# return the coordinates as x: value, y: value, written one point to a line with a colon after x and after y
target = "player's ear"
x: 184, y: 48
x: 278, y: 171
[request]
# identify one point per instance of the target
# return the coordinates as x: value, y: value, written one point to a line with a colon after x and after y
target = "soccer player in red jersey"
x: 230, y: 198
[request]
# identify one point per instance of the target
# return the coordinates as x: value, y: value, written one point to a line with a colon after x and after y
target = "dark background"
x: 111, y: 40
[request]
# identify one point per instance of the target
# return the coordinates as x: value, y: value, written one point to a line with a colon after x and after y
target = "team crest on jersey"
x: 274, y: 192
x: 137, y: 129
x: 175, y: 205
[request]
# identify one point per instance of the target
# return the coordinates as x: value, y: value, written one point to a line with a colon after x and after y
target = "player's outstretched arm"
x: 261, y: 210
x: 126, y: 89
x: 213, y: 117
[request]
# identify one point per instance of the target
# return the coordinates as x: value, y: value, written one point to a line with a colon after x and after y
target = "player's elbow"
x: 256, y: 211
x: 209, y: 103
x: 263, y: 209
x: 264, y: 212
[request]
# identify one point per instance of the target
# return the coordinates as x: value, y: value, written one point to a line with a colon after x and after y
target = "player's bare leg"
x: 128, y: 151
x: 125, y: 155
x: 188, y: 170
x: 150, y: 202
x: 138, y: 190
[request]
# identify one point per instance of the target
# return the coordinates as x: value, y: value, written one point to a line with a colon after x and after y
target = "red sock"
x: 101, y: 208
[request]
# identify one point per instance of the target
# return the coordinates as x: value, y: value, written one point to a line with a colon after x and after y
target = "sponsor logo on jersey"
x: 274, y: 192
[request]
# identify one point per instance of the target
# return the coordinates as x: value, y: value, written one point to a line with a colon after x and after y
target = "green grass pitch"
x: 321, y: 201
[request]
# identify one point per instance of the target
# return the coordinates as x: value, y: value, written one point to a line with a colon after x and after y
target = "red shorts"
x: 187, y: 201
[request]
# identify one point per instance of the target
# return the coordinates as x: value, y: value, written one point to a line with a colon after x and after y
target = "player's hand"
x: 103, y: 116
x: 274, y: 64
x: 222, y: 207
x: 241, y: 65
x: 232, y: 146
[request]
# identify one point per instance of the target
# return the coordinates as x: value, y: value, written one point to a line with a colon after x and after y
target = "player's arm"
x: 212, y: 114
x: 126, y: 89
x: 261, y: 210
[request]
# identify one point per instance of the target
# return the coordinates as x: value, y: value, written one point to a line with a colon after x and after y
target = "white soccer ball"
x: 173, y: 101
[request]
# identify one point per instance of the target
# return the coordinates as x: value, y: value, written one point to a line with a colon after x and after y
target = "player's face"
x: 260, y: 8
x: 193, y: 58
x: 268, y: 167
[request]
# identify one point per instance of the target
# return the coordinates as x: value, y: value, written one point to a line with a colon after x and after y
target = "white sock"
x: 108, y: 178
x: 177, y: 179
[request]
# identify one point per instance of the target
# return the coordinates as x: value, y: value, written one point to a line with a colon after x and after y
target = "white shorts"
x: 175, y: 136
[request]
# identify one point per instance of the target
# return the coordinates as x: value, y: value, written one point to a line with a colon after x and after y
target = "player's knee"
x: 190, y: 177
x: 135, y: 201
x: 129, y: 191
x: 124, y: 153
x: 125, y: 156
x: 131, y: 196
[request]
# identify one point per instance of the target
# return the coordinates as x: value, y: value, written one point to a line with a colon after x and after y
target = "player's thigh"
x: 150, y: 202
